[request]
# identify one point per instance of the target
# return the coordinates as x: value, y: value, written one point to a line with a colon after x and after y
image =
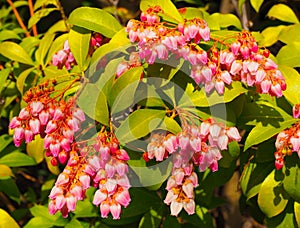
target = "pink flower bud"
x: 176, y: 207
x: 121, y: 168
x: 24, y: 114
x: 159, y: 153
x: 94, y: 162
x: 55, y: 191
x: 225, y: 76
x: 205, y: 33
x: 123, y: 198
x: 188, y: 189
x: 52, y: 208
x: 260, y: 76
x: 99, y: 197
x: 115, y: 210
x: 69, y: 134
x: 28, y: 136
x: 58, y: 114
x: 265, y: 86
x: 124, y: 182
x: 236, y: 67
x: 71, y: 203
x: 54, y: 148
x: 35, y: 126
x: 233, y: 133
x: 44, y: 117
x: 85, y: 181
x: 65, y: 144
x: 62, y: 157
x: 36, y: 107
x: 223, y: 142
x: 62, y: 179
x: 60, y: 201
x: 74, y: 124
x: 276, y: 90
x: 51, y: 127
x: 215, y: 131
x: 189, y: 207
x: 122, y: 155
x: 77, y: 192
x: 235, y: 47
x: 19, y: 133
x: 104, y: 209
x: 170, y: 197
x: 279, y: 163
x: 110, y: 170
x: 14, y: 123
x: 79, y: 114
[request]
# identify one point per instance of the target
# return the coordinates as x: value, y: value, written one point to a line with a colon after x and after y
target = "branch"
x: 34, y: 29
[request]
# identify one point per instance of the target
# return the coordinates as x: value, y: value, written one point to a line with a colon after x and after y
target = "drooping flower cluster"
x: 241, y: 60
x: 194, y: 146
x: 70, y: 185
x: 54, y: 120
x: 65, y: 57
x: 108, y: 169
x: 287, y: 142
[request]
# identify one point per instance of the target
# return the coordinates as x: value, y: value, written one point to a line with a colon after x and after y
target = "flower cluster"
x: 287, y: 142
x: 240, y: 60
x: 70, y: 185
x: 194, y: 146
x: 108, y: 169
x: 54, y: 120
x: 134, y: 61
x: 65, y: 57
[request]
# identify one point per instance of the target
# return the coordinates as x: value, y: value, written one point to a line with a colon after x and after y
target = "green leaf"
x: 3, y: 76
x: 16, y: 159
x: 171, y: 221
x: 226, y: 20
x: 151, y: 219
x: 95, y: 20
x: 42, y: 3
x: 138, y: 124
x: 253, y: 176
x: 297, y: 212
x: 292, y: 79
x: 169, y: 9
x: 256, y: 4
x: 6, y: 220
x: 8, y: 35
x: 289, y: 34
x: 41, y: 52
x: 35, y: 149
x: 291, y: 181
x: 202, y: 217
x: 15, y: 52
x: 272, y: 198
x: 85, y: 209
x: 123, y: 90
x: 283, y: 12
x: 38, y: 15
x: 93, y: 102
x: 10, y: 188
x: 79, y: 41
x: 170, y: 125
x: 261, y: 133
x: 271, y: 35
x: 289, y: 55
x: 22, y: 78
x: 201, y: 99
x: 37, y: 222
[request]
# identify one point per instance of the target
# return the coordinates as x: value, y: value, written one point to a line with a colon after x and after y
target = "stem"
x: 19, y: 19
x: 63, y: 15
x: 34, y: 29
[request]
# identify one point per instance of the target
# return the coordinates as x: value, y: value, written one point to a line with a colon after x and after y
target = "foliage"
x: 161, y: 111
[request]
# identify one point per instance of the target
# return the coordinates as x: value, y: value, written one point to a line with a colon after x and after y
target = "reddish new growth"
x: 287, y: 142
x: 195, y: 146
x: 241, y: 60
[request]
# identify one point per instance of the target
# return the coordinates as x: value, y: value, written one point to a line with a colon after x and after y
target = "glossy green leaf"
x: 271, y: 35
x: 289, y: 55
x: 297, y: 212
x: 85, y: 209
x: 41, y: 52
x: 79, y: 41
x: 291, y: 182
x: 256, y: 4
x: 201, y: 218
x: 272, y: 198
x: 261, y: 133
x: 94, y: 103
x: 170, y: 125
x: 38, y: 15
x: 123, y: 90
x: 226, y: 20
x: 35, y: 149
x: 15, y: 52
x: 3, y: 76
x: 171, y: 221
x: 8, y: 35
x: 292, y: 79
x: 6, y: 220
x: 253, y: 176
x: 283, y: 12
x: 10, y: 188
x: 22, y: 78
x: 59, y: 26
x: 289, y: 34
x: 42, y: 3
x: 16, y: 159
x: 169, y: 9
x: 37, y: 222
x: 284, y: 220
x: 74, y: 223
x: 138, y: 124
x: 151, y: 219
x: 95, y: 20
x: 201, y: 99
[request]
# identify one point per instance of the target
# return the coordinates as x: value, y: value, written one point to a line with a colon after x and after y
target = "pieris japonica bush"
x: 140, y: 124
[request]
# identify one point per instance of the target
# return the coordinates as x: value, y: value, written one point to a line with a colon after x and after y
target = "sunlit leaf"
x: 35, y: 149
x: 283, y: 13
x: 292, y: 78
x: 6, y: 220
x: 289, y: 55
x: 256, y: 4
x: 38, y: 15
x: 15, y: 52
x: 16, y: 159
